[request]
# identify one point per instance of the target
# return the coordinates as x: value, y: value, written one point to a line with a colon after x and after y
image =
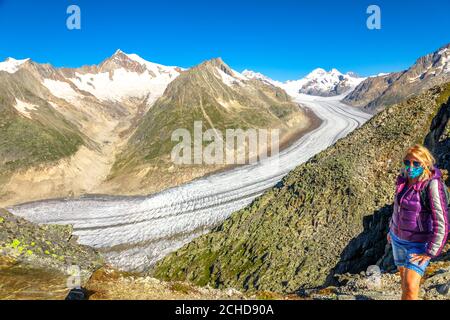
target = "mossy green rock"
x: 46, y: 246
x: 328, y: 216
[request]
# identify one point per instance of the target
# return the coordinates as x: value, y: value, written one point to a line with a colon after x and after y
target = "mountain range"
x: 61, y: 127
x: 372, y: 93
x: 106, y: 128
x: 375, y: 93
x: 317, y: 83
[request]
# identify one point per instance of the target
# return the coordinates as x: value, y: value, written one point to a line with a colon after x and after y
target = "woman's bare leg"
x: 402, y: 278
x: 411, y: 285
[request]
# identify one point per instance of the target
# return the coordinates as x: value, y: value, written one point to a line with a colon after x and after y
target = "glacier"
x: 133, y: 233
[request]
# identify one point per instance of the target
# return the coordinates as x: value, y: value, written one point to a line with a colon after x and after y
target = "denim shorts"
x: 402, y: 251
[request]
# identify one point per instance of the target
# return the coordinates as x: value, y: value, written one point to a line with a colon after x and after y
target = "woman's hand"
x: 421, y: 259
x: 389, y: 237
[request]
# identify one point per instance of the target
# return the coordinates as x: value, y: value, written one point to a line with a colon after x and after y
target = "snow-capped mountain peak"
x: 316, y: 73
x: 318, y: 82
x: 322, y: 83
x: 321, y: 74
x: 120, y: 77
x: 254, y: 75
x: 249, y: 74
x: 153, y: 67
x: 12, y: 65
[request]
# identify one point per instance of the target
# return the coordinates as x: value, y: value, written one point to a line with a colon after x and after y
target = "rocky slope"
x: 372, y: 285
x: 35, y: 264
x: 327, y: 217
x: 371, y: 89
x: 221, y: 99
x: 41, y: 276
x: 61, y: 128
x: 32, y: 132
x: 375, y: 93
x: 47, y: 246
x: 109, y: 284
x: 35, y: 261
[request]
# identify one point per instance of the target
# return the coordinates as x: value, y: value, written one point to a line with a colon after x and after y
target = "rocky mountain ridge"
x: 375, y: 93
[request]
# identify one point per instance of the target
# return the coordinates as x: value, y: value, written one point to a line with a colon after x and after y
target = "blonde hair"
x: 425, y: 157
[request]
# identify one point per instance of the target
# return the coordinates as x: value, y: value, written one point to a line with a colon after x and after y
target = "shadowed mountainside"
x: 376, y: 93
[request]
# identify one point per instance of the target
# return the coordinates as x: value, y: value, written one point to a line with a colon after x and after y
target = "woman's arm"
x: 439, y: 213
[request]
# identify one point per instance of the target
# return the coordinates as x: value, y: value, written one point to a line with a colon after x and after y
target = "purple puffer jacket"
x: 411, y: 222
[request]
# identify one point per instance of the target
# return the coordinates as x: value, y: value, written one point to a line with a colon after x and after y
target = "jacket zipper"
x: 418, y: 220
x: 401, y: 199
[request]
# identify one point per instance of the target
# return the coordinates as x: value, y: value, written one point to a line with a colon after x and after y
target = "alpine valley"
x: 107, y: 129
x: 96, y: 141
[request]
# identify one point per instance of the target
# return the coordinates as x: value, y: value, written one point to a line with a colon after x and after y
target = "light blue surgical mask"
x: 414, y: 172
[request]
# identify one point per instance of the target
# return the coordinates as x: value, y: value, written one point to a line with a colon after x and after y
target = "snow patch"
x: 239, y: 75
x: 158, y: 69
x: 25, y: 108
x: 382, y: 74
x: 54, y: 105
x: 125, y: 84
x: 62, y: 90
x: 322, y: 81
x: 227, y: 79
x: 249, y: 74
x: 11, y: 65
x: 442, y: 51
x: 122, y: 83
x: 446, y: 64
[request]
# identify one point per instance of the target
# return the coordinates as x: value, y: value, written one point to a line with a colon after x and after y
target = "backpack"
x: 424, y: 197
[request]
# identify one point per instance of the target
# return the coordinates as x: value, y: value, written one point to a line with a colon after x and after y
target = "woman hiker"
x: 419, y: 224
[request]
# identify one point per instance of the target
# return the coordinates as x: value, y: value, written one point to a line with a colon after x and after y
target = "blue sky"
x: 283, y: 39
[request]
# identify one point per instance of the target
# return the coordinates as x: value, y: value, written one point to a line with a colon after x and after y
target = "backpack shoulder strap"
x: 424, y: 196
x: 447, y: 193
